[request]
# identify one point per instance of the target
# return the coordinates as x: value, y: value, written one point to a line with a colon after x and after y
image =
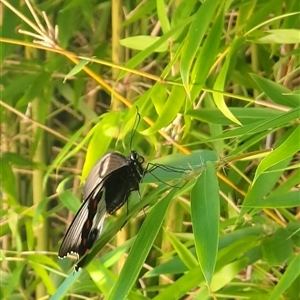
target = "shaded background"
x: 220, y: 76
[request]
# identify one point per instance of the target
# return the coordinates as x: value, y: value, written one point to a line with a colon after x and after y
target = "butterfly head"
x: 136, y: 161
x: 135, y: 157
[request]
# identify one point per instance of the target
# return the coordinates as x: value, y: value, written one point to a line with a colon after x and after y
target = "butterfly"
x: 106, y: 189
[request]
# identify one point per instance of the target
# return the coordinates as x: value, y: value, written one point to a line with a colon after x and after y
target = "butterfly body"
x: 106, y: 189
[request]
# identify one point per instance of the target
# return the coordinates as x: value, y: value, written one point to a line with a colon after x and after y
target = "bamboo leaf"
x: 206, y: 56
x: 227, y: 273
x: 171, y: 108
x: 101, y: 138
x: 289, y: 276
x: 185, y: 283
x: 12, y: 282
x: 276, y: 92
x: 141, y: 248
x: 221, y: 80
x: 289, y: 199
x: 138, y: 58
x: 142, y: 42
x: 202, y: 19
x: 284, y: 151
x: 77, y: 68
x: 278, y: 248
x: 246, y: 115
x: 183, y: 252
x: 205, y: 210
x: 279, y: 36
x: 162, y: 15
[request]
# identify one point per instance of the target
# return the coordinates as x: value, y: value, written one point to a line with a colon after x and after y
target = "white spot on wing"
x: 99, y: 218
x: 104, y: 167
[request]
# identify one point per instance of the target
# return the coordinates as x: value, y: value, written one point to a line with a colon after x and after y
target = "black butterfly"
x: 106, y: 189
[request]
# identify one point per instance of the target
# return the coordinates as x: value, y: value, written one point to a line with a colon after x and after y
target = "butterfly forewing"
x: 102, y: 169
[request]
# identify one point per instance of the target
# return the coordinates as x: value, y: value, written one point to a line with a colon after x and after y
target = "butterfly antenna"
x: 135, y: 126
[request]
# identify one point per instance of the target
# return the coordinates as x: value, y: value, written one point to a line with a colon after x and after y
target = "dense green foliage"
x: 217, y: 86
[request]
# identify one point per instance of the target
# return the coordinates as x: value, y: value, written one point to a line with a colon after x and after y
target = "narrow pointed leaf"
x: 287, y: 149
x: 140, y: 249
x: 203, y: 17
x: 289, y: 276
x: 205, y: 209
x: 77, y: 68
x: 276, y: 92
x: 221, y: 81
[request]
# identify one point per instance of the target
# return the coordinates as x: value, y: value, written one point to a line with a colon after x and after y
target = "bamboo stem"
x: 38, y: 194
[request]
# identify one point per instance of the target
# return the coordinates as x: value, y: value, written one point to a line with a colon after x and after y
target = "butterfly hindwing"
x: 93, y: 225
x: 72, y: 237
x: 90, y: 217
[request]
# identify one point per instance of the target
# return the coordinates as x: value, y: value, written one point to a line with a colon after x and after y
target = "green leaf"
x: 10, y: 21
x: 8, y: 180
x: 265, y: 125
x: 277, y: 248
x: 246, y: 115
x: 67, y: 151
x: 40, y: 211
x: 170, y: 110
x: 262, y: 186
x: 69, y: 200
x: 203, y: 17
x: 42, y: 260
x: 63, y: 289
x: 221, y: 81
x: 20, y: 161
x: 102, y: 135
x: 140, y: 57
x: 183, y: 11
x: 183, y: 252
x: 77, y: 68
x: 245, y: 12
x: 43, y: 275
x: 140, y: 249
x: 206, y: 56
x: 159, y: 94
x: 102, y: 276
x: 281, y: 36
x: 162, y: 16
x: 276, y: 92
x: 180, y: 165
x: 236, y: 250
x: 284, y: 151
x: 289, y: 199
x: 228, y: 244
x: 139, y: 14
x: 181, y: 286
x: 289, y: 276
x: 13, y: 281
x: 288, y: 184
x: 142, y: 42
x: 16, y: 89
x: 205, y: 210
x: 227, y: 273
